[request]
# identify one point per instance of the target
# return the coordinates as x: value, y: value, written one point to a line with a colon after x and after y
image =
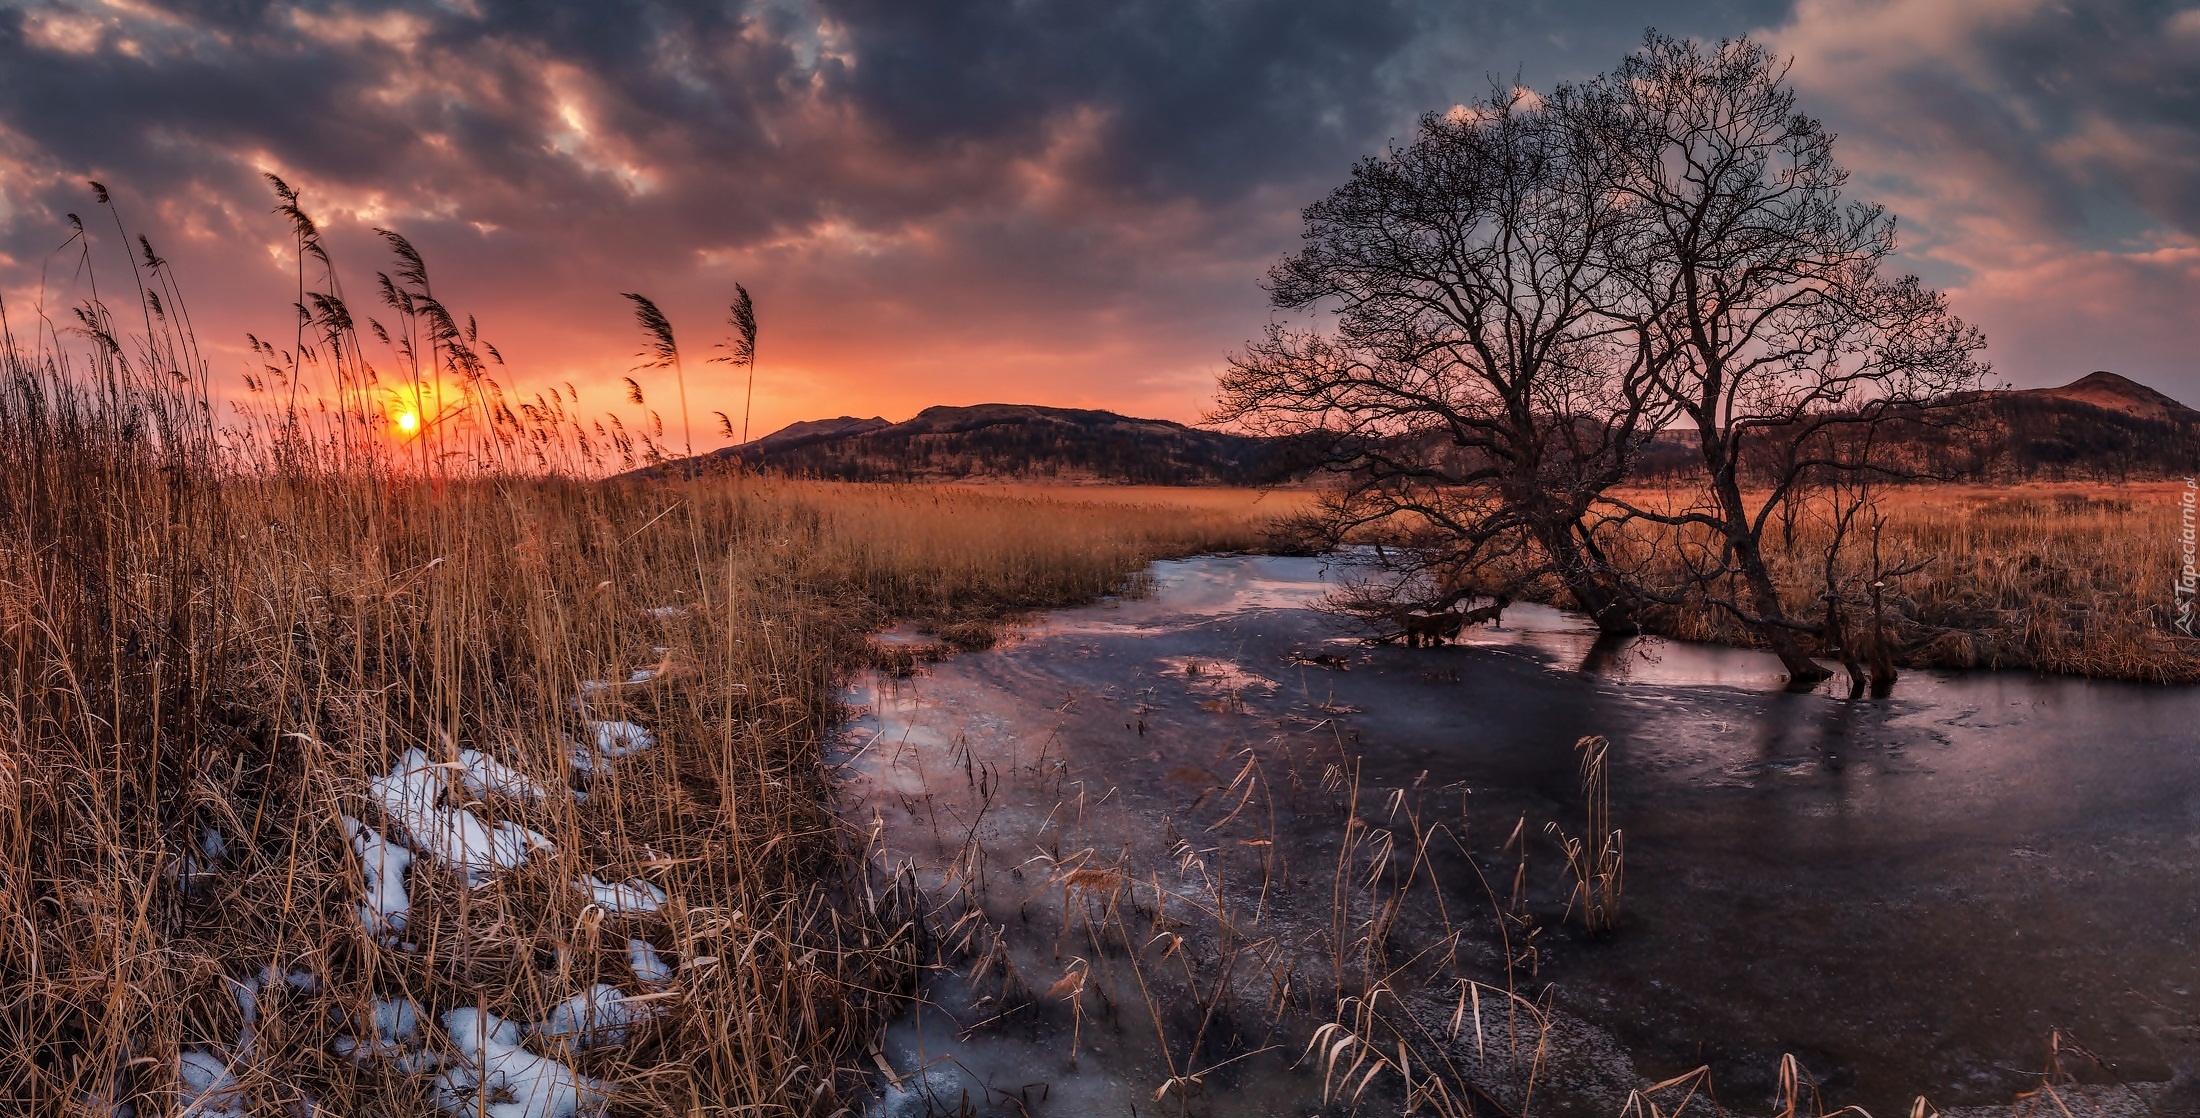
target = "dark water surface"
x: 1908, y: 894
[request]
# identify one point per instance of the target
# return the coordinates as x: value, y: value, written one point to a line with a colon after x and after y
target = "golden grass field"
x: 240, y: 658
x: 1259, y: 503
x: 194, y: 653
x: 2073, y: 578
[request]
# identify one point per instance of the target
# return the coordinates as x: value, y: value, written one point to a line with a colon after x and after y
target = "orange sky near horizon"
x: 939, y: 202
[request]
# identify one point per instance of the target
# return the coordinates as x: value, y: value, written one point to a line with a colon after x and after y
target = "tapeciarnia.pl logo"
x: 2188, y: 576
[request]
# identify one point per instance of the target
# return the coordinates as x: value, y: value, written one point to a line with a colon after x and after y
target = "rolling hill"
x: 2099, y: 427
x: 1020, y: 441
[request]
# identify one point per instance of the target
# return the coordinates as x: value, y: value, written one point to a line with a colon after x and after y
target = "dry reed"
x: 2072, y: 578
x: 209, y: 657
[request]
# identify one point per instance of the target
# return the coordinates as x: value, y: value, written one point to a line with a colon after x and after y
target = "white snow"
x: 598, y: 1015
x: 497, y: 1078
x: 649, y: 967
x: 388, y: 906
x: 617, y: 739
x: 584, y: 759
x: 208, y: 1081
x: 208, y: 1087
x: 627, y: 897
x: 411, y: 793
x: 593, y: 687
x: 608, y: 741
x: 484, y: 774
x: 198, y: 865
x: 395, y: 1038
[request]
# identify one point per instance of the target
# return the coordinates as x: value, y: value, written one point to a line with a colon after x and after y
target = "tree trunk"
x: 1882, y: 651
x: 1803, y: 672
x: 1598, y: 596
x: 1837, y: 639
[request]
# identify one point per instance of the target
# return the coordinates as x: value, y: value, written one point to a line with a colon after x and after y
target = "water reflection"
x: 1909, y: 894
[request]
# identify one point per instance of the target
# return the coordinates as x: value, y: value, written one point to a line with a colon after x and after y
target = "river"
x: 1909, y: 895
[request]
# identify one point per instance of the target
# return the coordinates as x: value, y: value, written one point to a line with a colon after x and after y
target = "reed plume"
x: 741, y: 350
x: 661, y: 352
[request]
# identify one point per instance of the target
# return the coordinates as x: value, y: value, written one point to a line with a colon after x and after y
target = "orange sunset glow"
x: 923, y: 222
x: 1099, y: 558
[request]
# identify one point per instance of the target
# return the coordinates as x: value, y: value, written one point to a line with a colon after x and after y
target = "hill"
x: 2099, y: 427
x: 2109, y: 392
x: 1022, y: 441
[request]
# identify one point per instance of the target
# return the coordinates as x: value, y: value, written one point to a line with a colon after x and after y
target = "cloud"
x: 1043, y: 200
x: 2044, y: 159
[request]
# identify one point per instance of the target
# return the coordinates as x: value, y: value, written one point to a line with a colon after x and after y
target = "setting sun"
x: 1752, y: 669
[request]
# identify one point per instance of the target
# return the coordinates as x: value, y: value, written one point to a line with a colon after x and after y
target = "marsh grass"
x: 210, y: 651
x: 1597, y: 860
x: 2071, y: 578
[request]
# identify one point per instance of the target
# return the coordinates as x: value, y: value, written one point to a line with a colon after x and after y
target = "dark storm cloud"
x: 1064, y: 202
x: 2045, y: 159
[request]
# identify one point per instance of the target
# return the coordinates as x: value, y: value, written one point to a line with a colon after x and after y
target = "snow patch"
x: 594, y: 687
x: 207, y: 1086
x: 618, y: 739
x: 409, y: 794
x: 626, y: 897
x: 495, y: 1077
x: 598, y: 1015
x: 649, y: 967
x: 484, y: 774
x: 388, y: 906
x: 196, y: 866
x: 393, y: 1039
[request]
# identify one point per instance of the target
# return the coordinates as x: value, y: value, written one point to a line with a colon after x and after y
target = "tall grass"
x: 213, y: 642
x: 2072, y: 578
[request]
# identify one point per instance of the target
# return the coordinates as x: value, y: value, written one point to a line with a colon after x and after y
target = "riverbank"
x: 307, y: 770
x: 2067, y: 578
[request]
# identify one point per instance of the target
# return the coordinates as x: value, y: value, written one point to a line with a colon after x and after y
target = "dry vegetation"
x: 209, y: 660
x: 2071, y: 578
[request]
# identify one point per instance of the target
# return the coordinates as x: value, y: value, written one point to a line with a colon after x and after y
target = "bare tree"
x: 1757, y: 286
x: 1472, y: 393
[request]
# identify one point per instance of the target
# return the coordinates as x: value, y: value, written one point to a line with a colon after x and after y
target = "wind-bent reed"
x: 215, y: 639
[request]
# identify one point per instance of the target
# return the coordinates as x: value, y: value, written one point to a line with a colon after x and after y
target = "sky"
x: 1036, y: 201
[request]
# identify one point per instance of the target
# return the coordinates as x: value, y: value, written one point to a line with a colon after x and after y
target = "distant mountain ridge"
x: 1023, y: 441
x: 2111, y: 392
x: 2100, y: 426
